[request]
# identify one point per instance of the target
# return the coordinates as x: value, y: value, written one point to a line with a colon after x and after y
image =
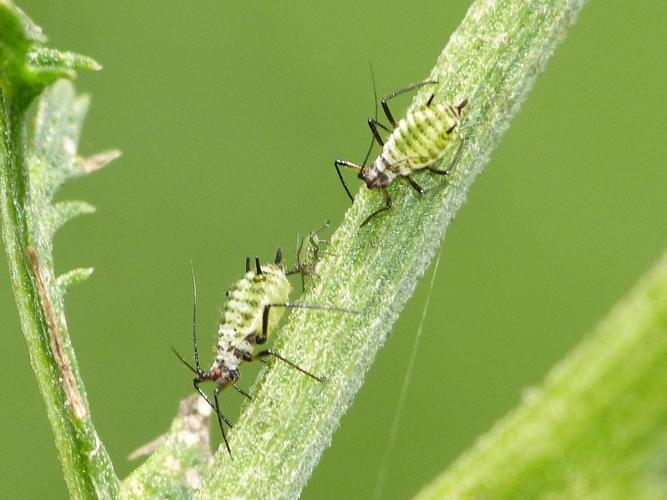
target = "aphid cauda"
x: 417, y: 142
x: 254, y: 307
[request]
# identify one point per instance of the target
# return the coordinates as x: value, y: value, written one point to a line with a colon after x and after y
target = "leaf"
x: 596, y: 428
x: 26, y: 67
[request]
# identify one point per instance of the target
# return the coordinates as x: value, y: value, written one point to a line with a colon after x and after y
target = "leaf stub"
x: 178, y: 460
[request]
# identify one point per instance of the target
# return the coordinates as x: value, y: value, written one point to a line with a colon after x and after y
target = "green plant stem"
x: 87, y: 468
x: 28, y: 222
x: 598, y: 425
x: 492, y: 59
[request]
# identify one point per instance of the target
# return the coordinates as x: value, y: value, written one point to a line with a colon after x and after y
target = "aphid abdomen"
x: 243, y: 313
x: 420, y: 139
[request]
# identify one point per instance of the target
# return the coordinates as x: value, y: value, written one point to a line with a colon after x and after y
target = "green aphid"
x: 417, y: 142
x: 255, y: 305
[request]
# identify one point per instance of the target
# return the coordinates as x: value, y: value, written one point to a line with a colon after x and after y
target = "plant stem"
x: 87, y: 468
x: 178, y: 459
x: 28, y: 218
x: 598, y: 425
x: 492, y: 59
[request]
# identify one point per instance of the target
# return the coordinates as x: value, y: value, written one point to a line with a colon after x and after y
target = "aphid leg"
x: 348, y: 164
x: 374, y: 124
x: 430, y: 100
x: 457, y: 156
x: 455, y: 161
x: 415, y: 186
x: 260, y: 339
x: 438, y: 171
x: 247, y: 264
x: 320, y: 229
x: 385, y: 100
x: 196, y: 383
x: 263, y: 354
x: 241, y: 391
x: 258, y: 268
x: 279, y: 256
x: 388, y: 205
x: 216, y: 391
x: 297, y: 268
x: 461, y: 105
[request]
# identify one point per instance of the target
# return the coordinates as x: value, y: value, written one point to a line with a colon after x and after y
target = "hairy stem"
x: 492, y: 59
x: 88, y: 470
x: 29, y: 176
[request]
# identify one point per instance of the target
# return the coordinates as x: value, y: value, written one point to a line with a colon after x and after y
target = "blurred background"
x: 229, y: 116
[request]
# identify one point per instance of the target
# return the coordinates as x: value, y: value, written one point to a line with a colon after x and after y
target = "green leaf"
x: 597, y: 428
x: 26, y: 67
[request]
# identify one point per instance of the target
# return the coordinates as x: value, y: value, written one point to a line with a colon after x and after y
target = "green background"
x: 229, y: 116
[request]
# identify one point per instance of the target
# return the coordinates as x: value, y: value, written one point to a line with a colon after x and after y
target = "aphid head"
x: 225, y: 377
x: 374, y: 178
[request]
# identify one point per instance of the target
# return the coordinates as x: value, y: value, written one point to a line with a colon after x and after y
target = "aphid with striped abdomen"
x: 417, y: 142
x: 254, y: 307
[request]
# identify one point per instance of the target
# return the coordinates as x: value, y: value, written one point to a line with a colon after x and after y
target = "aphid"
x: 254, y: 307
x: 417, y: 142
x: 308, y: 253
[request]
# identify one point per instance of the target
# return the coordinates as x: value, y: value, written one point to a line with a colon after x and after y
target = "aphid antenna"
x: 339, y: 163
x: 185, y: 362
x: 375, y: 114
x: 194, y: 319
x: 201, y: 375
